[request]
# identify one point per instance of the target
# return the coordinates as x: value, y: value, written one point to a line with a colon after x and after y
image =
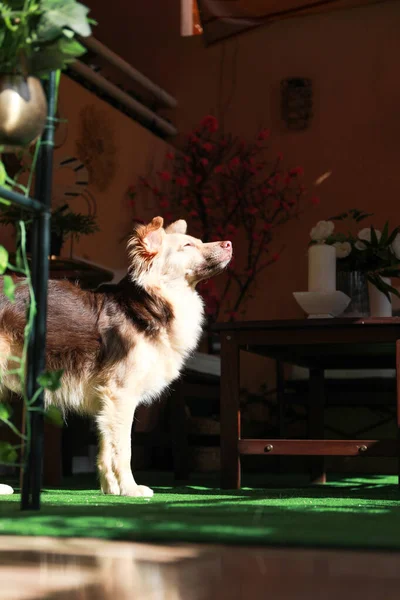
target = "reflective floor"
x: 44, y: 568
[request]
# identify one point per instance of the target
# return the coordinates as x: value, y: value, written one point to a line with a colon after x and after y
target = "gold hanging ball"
x: 23, y: 110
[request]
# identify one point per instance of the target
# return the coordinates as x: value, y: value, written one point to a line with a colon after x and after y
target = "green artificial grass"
x: 361, y: 512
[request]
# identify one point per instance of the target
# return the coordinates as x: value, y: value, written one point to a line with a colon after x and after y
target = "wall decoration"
x: 96, y: 147
x: 296, y: 102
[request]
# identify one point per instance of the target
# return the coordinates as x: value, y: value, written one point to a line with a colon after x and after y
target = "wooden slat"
x: 230, y: 413
x: 387, y: 448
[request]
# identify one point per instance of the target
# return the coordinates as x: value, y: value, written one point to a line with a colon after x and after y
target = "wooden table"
x: 317, y: 344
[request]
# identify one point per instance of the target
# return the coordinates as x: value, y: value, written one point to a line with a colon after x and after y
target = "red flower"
x: 235, y: 162
x: 209, y: 211
x: 186, y: 159
x: 206, y: 201
x: 193, y: 139
x: 194, y: 213
x: 198, y: 179
x: 232, y: 314
x: 156, y: 191
x: 255, y: 236
x: 277, y: 204
x: 204, y: 161
x: 275, y: 256
x: 165, y: 175
x: 296, y: 172
x: 132, y: 203
x: 267, y: 226
x: 252, y: 210
x: 210, y: 123
x: 169, y: 216
x: 145, y: 181
x: 315, y: 201
x: 219, y: 169
x: 208, y: 147
x: 164, y: 202
x: 186, y: 202
x: 182, y: 181
x: 231, y: 229
x: 280, y: 156
x: 285, y: 205
x: 263, y: 134
x: 170, y: 156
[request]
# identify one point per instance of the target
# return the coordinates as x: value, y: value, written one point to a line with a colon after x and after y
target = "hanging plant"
x: 36, y: 37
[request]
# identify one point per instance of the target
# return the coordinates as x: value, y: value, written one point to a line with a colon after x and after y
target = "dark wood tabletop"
x: 319, y: 343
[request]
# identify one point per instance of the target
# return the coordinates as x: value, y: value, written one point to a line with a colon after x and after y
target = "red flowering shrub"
x: 229, y: 189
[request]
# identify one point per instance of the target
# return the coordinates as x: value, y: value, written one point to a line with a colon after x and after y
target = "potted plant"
x: 36, y: 37
x: 367, y: 260
x: 64, y: 222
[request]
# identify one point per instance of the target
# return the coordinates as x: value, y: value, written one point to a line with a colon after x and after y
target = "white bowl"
x: 322, y: 305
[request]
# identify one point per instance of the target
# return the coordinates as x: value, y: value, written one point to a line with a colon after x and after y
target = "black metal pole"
x: 33, y: 467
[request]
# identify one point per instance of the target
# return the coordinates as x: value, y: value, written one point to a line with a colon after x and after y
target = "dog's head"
x: 170, y: 255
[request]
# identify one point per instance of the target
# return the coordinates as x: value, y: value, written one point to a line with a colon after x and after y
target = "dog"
x: 122, y: 348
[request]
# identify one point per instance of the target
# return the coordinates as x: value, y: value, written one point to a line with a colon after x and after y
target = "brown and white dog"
x: 120, y: 349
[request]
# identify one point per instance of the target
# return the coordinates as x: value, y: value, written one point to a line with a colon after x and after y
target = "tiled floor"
x: 72, y: 569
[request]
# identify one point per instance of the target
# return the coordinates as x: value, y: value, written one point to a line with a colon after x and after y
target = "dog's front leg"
x: 114, y: 459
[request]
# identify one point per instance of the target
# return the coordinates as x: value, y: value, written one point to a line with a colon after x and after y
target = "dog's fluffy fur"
x: 121, y: 348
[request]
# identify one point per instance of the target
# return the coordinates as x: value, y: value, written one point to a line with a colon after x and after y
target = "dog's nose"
x: 226, y: 245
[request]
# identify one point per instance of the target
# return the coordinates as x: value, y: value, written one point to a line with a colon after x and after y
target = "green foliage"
x: 3, y: 259
x: 63, y: 221
x: 9, y: 287
x: 39, y: 36
x: 8, y: 454
x: 5, y: 412
x: 54, y: 416
x: 50, y: 380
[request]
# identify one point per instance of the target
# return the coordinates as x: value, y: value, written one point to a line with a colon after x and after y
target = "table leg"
x: 398, y: 404
x: 179, y: 432
x: 316, y: 421
x: 280, y: 396
x: 230, y: 412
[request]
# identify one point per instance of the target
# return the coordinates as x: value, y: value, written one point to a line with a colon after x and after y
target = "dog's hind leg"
x: 114, y: 461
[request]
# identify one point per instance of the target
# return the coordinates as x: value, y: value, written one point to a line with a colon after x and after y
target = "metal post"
x: 32, y: 476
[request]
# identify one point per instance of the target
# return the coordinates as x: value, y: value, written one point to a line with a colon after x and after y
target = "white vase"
x: 321, y: 268
x: 379, y: 305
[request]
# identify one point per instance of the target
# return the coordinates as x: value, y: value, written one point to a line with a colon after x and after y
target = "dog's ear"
x: 179, y: 226
x: 152, y: 235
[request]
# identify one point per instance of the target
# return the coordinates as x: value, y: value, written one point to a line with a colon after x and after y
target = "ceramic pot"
x: 23, y: 110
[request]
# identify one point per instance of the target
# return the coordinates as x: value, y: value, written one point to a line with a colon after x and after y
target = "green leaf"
x: 3, y: 172
x: 53, y: 414
x: 50, y: 380
x: 9, y: 287
x: 8, y: 454
x: 374, y: 239
x: 5, y: 412
x: 385, y: 234
x: 60, y: 14
x: 71, y: 48
x: 392, y: 236
x: 3, y: 259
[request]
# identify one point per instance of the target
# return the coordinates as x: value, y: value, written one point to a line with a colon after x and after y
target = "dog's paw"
x: 138, y: 491
x: 5, y: 489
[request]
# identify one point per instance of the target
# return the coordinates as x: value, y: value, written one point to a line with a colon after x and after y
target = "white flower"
x: 396, y: 246
x: 343, y: 249
x: 365, y: 234
x: 322, y: 230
